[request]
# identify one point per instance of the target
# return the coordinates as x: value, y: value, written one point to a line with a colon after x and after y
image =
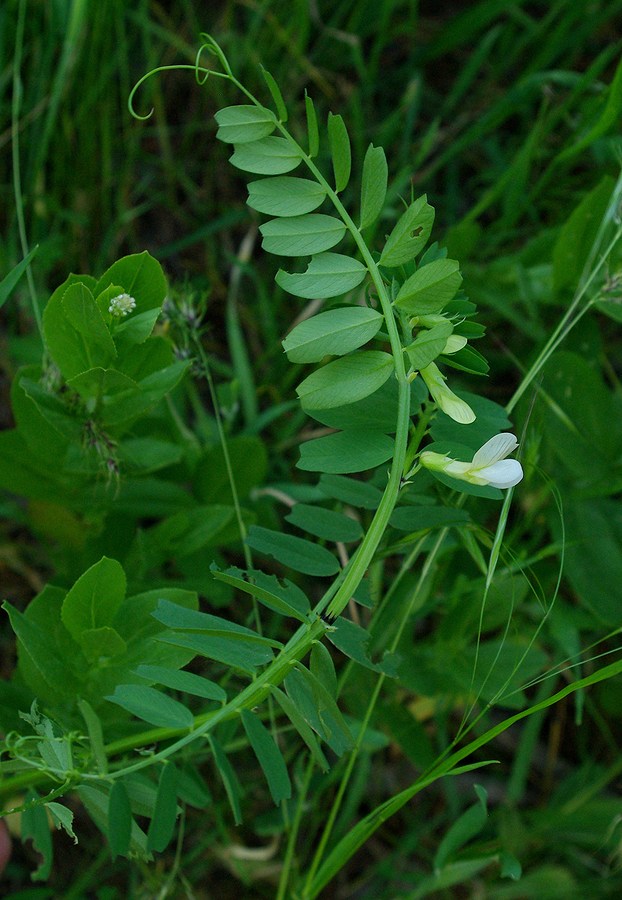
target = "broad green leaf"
x: 319, y: 709
x: 187, y: 682
x: 295, y: 552
x: 235, y: 578
x: 346, y: 380
x: 101, y: 642
x: 135, y: 329
x: 229, y: 778
x: 301, y: 235
x: 119, y: 820
x: 268, y: 756
x: 339, y: 151
x: 354, y: 492
x: 312, y: 127
x: 240, y: 653
x: 327, y: 275
x: 304, y: 730
x: 277, y: 96
x: 428, y: 344
x: 99, y: 383
x: 83, y: 314
x: 95, y: 598
x: 141, y: 276
x: 355, y: 450
x: 332, y: 333
x: 151, y: 706
x: 243, y: 124
x: 409, y: 235
x: 430, y: 288
x: 69, y: 349
x: 373, y: 185
x: 9, y: 281
x: 132, y: 404
x: 162, y: 825
x: 285, y: 196
x: 325, y: 523
x: 43, y: 647
x: 269, y: 156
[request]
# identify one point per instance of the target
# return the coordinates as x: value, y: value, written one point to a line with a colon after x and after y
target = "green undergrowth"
x: 257, y: 639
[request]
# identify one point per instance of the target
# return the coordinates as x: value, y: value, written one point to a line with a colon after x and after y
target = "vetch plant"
x: 102, y: 684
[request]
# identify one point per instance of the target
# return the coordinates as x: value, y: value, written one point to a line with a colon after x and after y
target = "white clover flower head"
x: 121, y: 305
x: 453, y: 406
x: 489, y: 466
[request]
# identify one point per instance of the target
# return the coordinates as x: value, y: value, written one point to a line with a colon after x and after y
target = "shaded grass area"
x: 507, y: 116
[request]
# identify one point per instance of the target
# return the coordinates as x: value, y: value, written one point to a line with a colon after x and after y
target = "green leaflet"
x: 162, y: 825
x: 409, y: 235
x: 179, y: 617
x: 285, y: 195
x: 325, y: 523
x: 291, y: 711
x: 119, y: 820
x: 467, y: 360
x: 273, y: 601
x: 301, y: 235
x: 352, y: 491
x: 430, y: 289
x: 318, y: 708
x: 295, y: 552
x: 187, y: 682
x: 151, y: 706
x: 339, y: 150
x: 428, y: 344
x: 243, y: 124
x: 353, y: 640
x: 327, y: 275
x: 373, y: 185
x: 269, y: 156
x: 332, y: 333
x: 277, y: 96
x: 229, y: 778
x: 345, y: 380
x: 268, y: 756
x: 354, y: 450
x: 312, y: 127
x: 238, y: 653
x: 95, y: 598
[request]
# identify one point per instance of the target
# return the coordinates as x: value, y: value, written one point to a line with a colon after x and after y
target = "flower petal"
x: 502, y: 474
x: 498, y: 447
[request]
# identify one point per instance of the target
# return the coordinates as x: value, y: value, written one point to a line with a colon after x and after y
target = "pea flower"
x: 489, y: 465
x: 121, y: 305
x: 452, y: 405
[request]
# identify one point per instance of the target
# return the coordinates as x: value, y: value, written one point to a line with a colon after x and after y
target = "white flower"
x: 121, y: 305
x: 453, y: 406
x: 489, y: 465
